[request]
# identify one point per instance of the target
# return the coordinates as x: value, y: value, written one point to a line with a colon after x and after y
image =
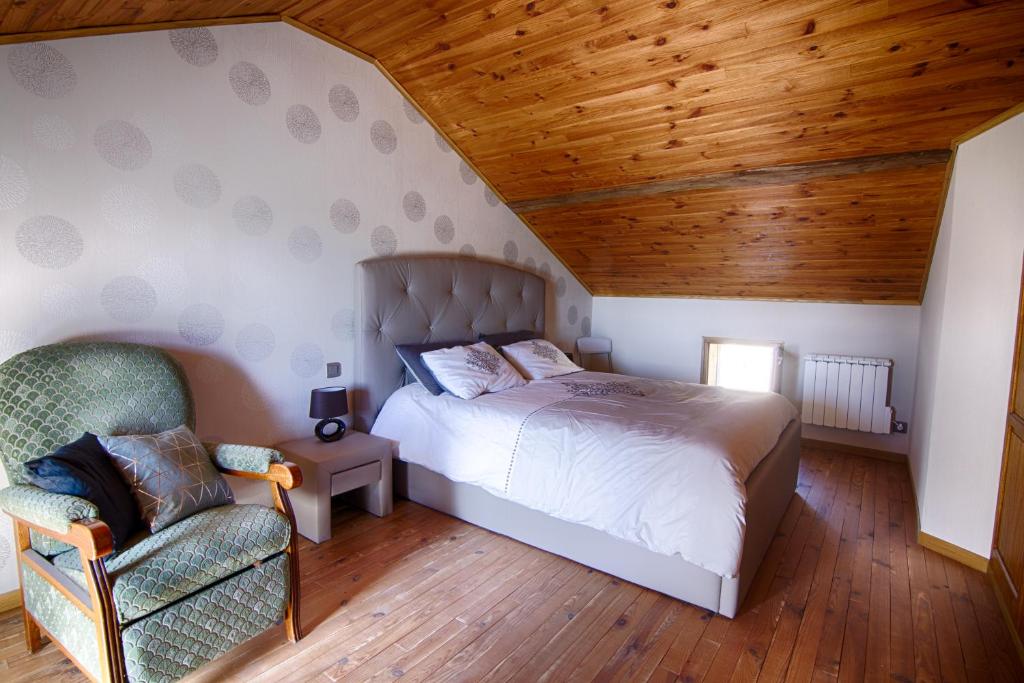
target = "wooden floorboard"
x: 844, y: 594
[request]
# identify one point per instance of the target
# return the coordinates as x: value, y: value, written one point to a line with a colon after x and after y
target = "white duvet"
x: 655, y: 462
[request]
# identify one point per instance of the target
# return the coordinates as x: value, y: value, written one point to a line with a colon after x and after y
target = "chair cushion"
x: 170, y: 474
x: 187, y: 556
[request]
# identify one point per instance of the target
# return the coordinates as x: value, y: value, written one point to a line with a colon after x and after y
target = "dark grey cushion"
x: 170, y: 473
x: 410, y: 355
x: 82, y: 468
x: 499, y: 339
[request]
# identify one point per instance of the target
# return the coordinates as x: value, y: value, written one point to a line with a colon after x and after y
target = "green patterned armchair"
x: 173, y: 600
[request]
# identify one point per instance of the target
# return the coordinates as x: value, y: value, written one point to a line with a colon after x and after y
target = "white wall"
x: 108, y: 231
x: 663, y: 338
x: 967, y: 331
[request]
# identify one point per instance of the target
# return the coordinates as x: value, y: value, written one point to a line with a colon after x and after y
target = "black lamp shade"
x: 328, y: 402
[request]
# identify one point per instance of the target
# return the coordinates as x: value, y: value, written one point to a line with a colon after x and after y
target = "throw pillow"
x: 82, y: 468
x: 410, y: 355
x: 539, y: 359
x: 468, y: 371
x: 170, y: 473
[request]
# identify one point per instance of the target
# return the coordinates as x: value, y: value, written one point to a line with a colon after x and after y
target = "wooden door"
x: 1007, y: 565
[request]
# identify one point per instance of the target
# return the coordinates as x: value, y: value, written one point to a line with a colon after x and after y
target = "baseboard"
x: 10, y: 600
x: 953, y: 552
x: 854, y: 450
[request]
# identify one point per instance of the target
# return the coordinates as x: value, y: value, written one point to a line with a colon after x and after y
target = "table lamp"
x: 327, y: 405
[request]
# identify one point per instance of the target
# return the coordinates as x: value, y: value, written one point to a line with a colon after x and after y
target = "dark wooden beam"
x: 771, y: 175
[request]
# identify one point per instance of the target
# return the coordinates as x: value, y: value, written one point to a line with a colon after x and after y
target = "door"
x: 1007, y: 565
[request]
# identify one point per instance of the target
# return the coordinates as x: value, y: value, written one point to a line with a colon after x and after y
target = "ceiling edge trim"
x: 782, y: 174
x: 63, y: 34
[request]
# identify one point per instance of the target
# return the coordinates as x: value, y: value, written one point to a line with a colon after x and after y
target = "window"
x: 742, y: 364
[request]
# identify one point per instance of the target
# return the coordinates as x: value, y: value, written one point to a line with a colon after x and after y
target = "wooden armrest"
x: 92, y: 537
x: 286, y: 474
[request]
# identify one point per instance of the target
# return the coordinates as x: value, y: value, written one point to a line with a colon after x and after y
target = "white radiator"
x: 847, y: 392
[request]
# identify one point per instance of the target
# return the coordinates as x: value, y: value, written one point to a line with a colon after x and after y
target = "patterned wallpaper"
x: 210, y: 191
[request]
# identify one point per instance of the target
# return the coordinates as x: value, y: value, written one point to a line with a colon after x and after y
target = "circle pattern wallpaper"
x: 307, y: 359
x: 444, y: 229
x: 197, y: 185
x: 201, y: 324
x: 344, y: 103
x: 303, y: 124
x: 510, y: 252
x: 122, y: 145
x: 53, y: 132
x: 345, y: 216
x: 14, y: 184
x: 468, y: 174
x: 129, y: 210
x: 383, y: 137
x: 42, y: 70
x: 255, y: 342
x: 305, y: 244
x: 383, y: 241
x: 415, y: 206
x: 411, y: 112
x: 250, y: 84
x: 196, y: 46
x: 343, y: 324
x: 252, y: 215
x: 49, y: 242
x: 128, y: 299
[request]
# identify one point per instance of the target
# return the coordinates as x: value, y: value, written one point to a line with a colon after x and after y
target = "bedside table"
x: 356, y: 461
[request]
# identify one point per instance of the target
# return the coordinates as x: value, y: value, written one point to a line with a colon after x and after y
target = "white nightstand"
x: 356, y: 461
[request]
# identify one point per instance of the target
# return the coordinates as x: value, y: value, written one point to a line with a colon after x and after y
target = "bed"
x: 504, y: 480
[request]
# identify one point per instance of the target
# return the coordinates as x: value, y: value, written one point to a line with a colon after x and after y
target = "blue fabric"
x: 83, y: 468
x: 499, y: 339
x: 410, y: 355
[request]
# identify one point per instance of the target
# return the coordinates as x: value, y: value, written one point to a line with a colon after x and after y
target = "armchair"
x: 167, y: 602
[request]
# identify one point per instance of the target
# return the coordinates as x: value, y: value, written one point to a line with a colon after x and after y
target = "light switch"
x: 333, y: 369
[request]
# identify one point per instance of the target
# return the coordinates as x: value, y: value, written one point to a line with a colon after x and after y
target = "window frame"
x: 779, y: 353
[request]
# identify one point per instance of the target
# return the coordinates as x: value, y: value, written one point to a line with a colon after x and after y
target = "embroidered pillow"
x: 410, y: 355
x: 468, y: 371
x: 539, y: 359
x: 170, y: 474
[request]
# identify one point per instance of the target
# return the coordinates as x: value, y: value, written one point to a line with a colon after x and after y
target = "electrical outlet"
x: 333, y: 369
x: 899, y: 427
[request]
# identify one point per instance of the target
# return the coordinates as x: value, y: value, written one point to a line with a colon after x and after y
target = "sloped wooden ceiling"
x: 723, y: 119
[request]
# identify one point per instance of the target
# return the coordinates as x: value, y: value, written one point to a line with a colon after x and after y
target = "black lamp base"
x: 330, y: 436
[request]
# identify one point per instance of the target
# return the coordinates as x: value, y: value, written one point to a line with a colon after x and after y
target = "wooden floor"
x: 844, y: 594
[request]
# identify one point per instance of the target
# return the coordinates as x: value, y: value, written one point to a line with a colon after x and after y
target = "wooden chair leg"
x: 33, y: 636
x: 292, y: 620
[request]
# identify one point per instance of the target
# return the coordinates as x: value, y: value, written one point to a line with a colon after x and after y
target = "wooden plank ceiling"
x: 563, y: 103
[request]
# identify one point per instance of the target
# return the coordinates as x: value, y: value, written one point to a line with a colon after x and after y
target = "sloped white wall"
x: 968, y: 324
x: 210, y: 191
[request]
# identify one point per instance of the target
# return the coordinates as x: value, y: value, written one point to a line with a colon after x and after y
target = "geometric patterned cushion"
x: 168, y: 645
x: 170, y: 474
x: 187, y: 556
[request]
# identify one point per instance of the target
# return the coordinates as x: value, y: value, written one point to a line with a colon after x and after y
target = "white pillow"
x: 468, y: 371
x: 538, y: 359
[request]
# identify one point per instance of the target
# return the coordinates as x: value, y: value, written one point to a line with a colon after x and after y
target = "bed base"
x: 770, y: 488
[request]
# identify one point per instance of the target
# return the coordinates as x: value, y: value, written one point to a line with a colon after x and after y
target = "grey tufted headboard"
x: 417, y: 299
